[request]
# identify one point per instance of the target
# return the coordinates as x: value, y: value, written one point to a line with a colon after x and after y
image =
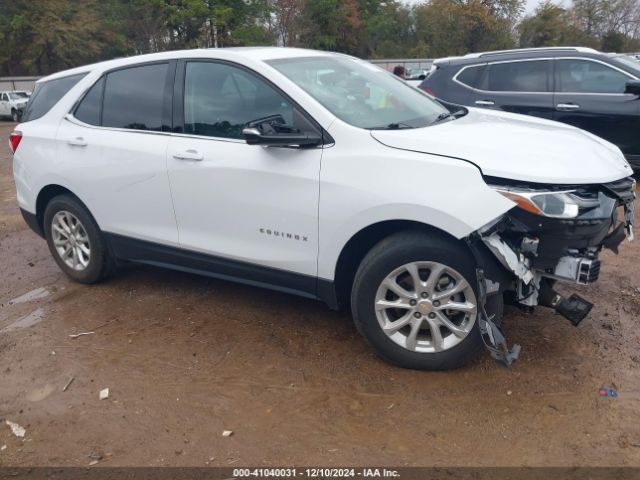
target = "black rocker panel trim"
x: 149, y: 253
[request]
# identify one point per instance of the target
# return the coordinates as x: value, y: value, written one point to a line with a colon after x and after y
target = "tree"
x: 49, y: 35
x: 552, y: 25
x: 609, y: 25
x: 43, y: 36
x: 286, y: 20
x: 461, y: 26
x: 387, y: 29
x: 331, y: 25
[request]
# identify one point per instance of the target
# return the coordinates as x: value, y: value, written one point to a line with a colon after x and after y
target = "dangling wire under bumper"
x: 492, y: 336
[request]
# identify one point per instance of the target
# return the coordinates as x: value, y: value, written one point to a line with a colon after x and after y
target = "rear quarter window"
x: 90, y: 108
x: 47, y: 94
x: 470, y: 76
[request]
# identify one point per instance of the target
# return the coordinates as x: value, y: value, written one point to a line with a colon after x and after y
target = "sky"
x: 530, y: 4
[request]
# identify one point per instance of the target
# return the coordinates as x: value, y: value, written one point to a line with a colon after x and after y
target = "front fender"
x: 363, y: 186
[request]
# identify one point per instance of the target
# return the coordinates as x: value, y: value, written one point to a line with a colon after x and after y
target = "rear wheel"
x: 75, y: 240
x: 414, y: 300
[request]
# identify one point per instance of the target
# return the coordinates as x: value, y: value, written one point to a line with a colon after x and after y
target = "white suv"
x: 13, y: 103
x: 324, y: 176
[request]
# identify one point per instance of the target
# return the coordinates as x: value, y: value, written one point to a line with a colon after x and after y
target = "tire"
x: 14, y: 115
x: 80, y: 266
x: 435, y: 346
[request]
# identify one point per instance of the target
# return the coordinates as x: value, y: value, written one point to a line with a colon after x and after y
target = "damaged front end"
x: 554, y: 233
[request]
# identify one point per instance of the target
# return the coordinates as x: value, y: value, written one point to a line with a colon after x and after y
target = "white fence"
x: 18, y: 83
x: 407, y: 63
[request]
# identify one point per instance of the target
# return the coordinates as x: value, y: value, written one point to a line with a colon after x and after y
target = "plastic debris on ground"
x: 76, y: 335
x: 104, y: 394
x: 608, y: 392
x: 17, y: 430
x: 66, y: 385
x: 227, y: 433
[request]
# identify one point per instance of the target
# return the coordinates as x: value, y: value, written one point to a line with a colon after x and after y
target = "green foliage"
x: 551, y: 25
x: 459, y: 27
x: 42, y: 36
x: 608, y: 25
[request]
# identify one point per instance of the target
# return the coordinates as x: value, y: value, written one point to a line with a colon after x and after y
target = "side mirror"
x: 632, y: 87
x: 273, y: 131
x: 254, y: 136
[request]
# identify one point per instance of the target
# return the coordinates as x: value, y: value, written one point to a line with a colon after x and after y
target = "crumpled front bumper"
x: 524, y: 254
x: 532, y: 246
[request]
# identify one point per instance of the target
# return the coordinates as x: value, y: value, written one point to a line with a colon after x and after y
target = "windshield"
x: 360, y: 93
x: 630, y: 62
x: 17, y: 95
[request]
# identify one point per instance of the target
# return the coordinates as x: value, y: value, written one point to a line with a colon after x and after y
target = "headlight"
x: 545, y: 203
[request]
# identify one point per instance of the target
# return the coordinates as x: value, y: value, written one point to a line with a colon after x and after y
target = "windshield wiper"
x: 393, y: 126
x: 443, y: 116
x: 448, y: 115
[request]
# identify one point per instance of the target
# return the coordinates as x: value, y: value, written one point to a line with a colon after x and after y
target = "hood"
x: 516, y: 147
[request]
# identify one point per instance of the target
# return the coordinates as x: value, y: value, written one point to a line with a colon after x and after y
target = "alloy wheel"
x: 70, y: 240
x: 426, y: 307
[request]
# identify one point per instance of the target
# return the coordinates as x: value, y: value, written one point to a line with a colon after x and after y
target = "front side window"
x: 585, y: 76
x: 47, y: 94
x: 530, y: 76
x: 4, y: 97
x: 134, y: 97
x: 360, y: 93
x: 220, y: 99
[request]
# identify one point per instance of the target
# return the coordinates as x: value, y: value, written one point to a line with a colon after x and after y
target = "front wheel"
x: 414, y: 300
x: 15, y: 116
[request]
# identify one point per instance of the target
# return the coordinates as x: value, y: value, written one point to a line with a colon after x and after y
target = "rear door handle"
x: 77, y: 142
x: 189, y: 155
x: 485, y: 103
x: 567, y: 107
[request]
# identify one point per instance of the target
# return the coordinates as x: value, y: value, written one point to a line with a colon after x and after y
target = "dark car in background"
x: 580, y: 86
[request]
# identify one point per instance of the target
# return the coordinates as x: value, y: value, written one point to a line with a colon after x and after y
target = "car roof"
x: 231, y: 53
x: 520, y: 53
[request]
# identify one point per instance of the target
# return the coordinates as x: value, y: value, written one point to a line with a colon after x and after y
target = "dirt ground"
x: 186, y: 357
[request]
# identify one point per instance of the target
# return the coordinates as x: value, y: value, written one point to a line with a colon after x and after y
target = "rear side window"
x: 90, y: 108
x: 471, y: 76
x: 134, y: 97
x: 527, y: 76
x: 47, y: 94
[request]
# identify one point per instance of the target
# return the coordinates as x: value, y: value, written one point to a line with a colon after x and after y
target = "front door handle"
x: 567, y: 107
x: 189, y: 155
x: 77, y: 142
x: 485, y: 103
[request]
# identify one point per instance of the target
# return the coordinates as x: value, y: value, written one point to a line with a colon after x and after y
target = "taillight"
x: 427, y: 90
x: 14, y: 140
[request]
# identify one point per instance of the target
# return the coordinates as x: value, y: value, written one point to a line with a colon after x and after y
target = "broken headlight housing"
x: 553, y: 204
